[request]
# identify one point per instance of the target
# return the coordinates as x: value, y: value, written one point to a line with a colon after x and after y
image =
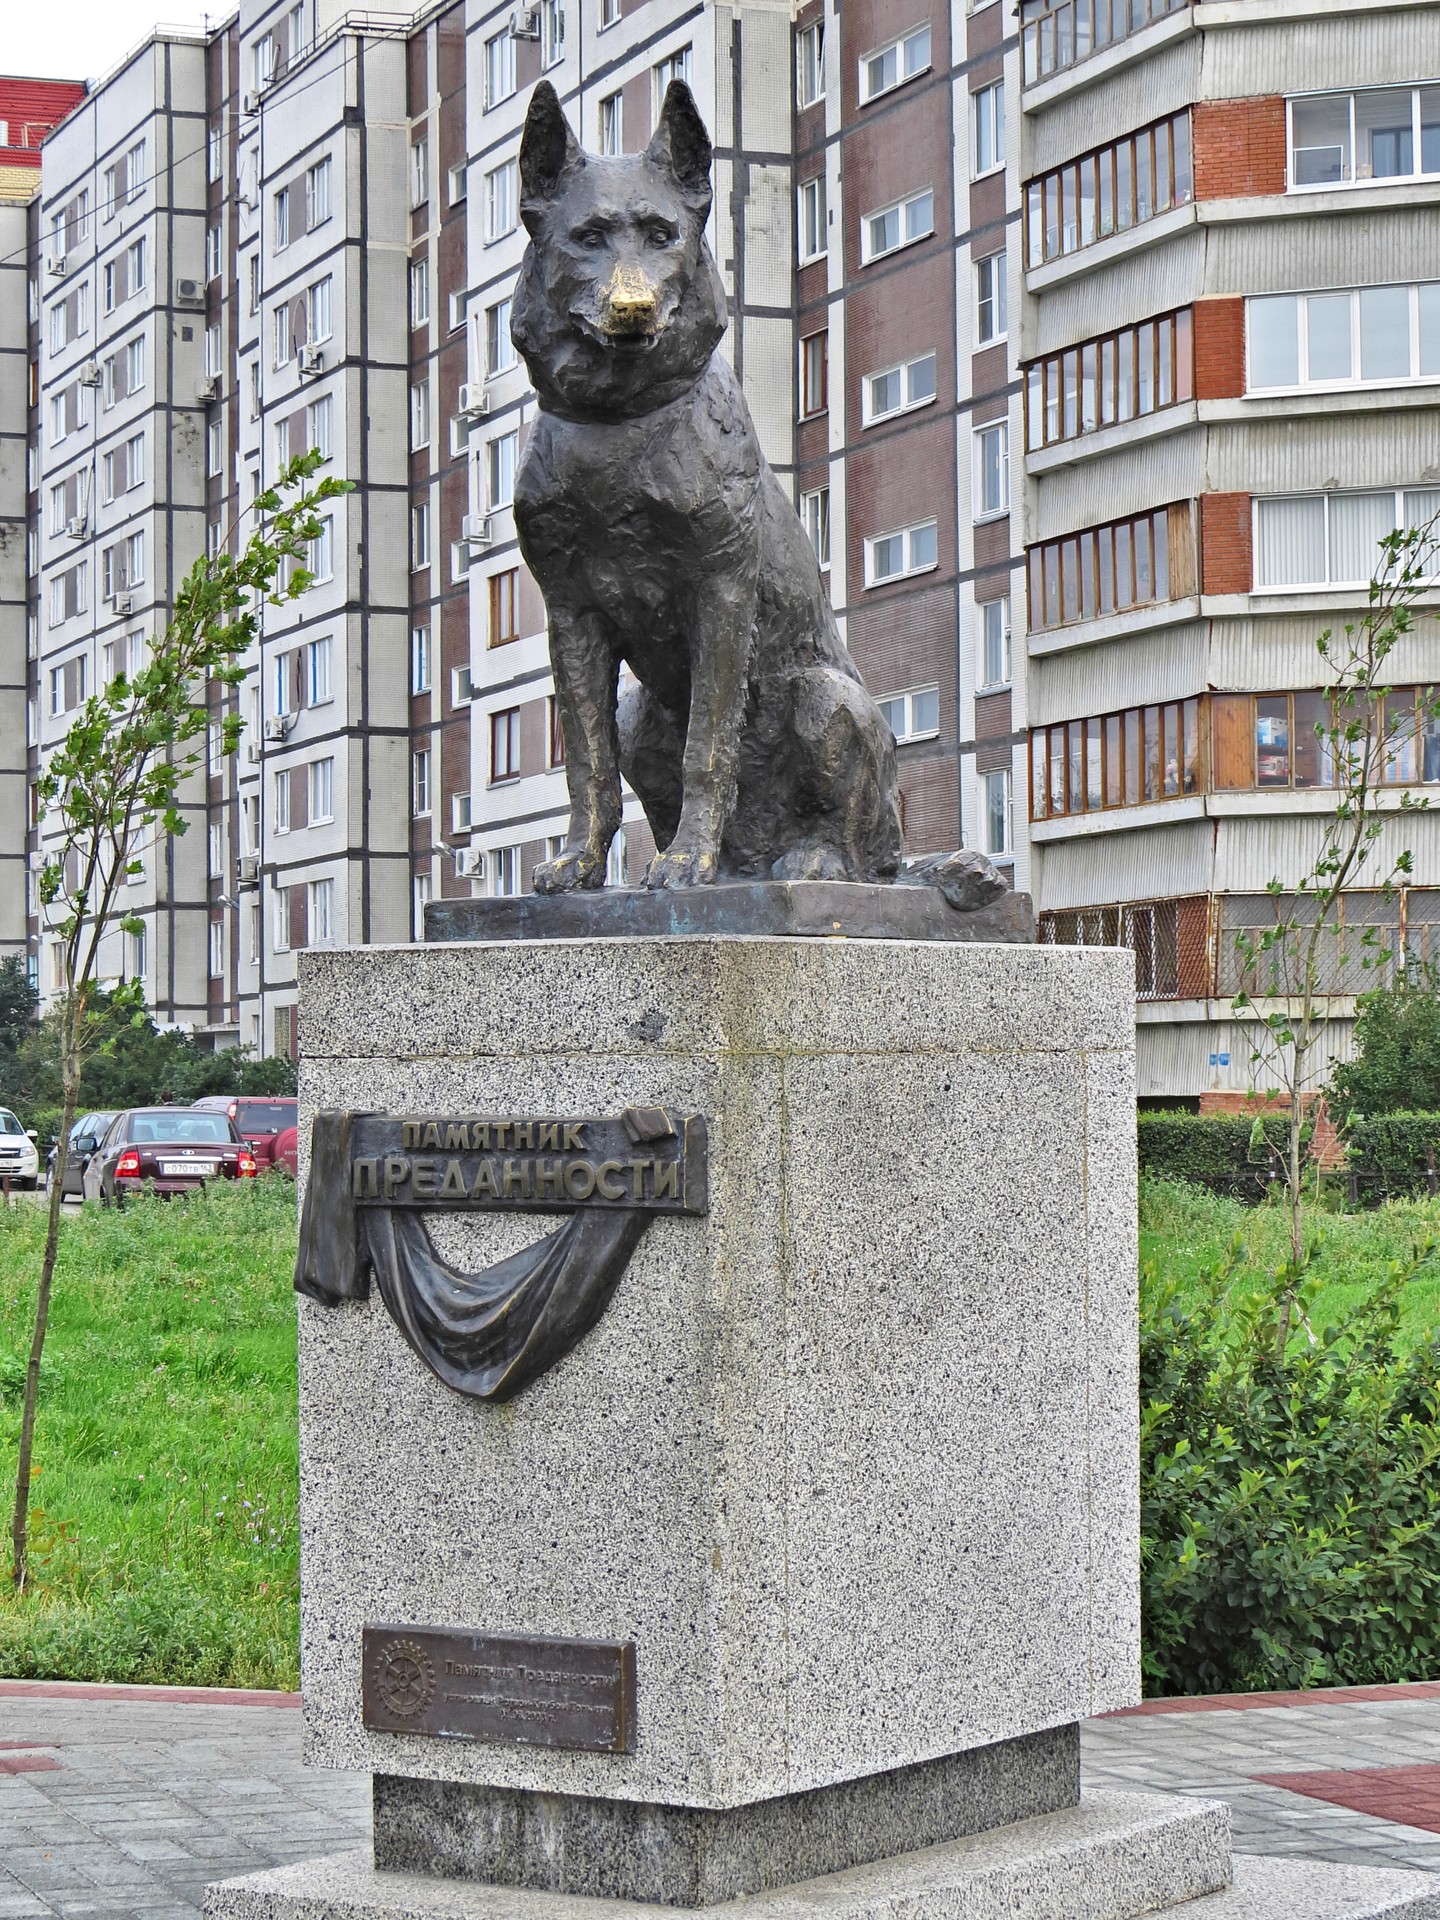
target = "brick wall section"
x: 1226, y: 559
x: 1239, y: 147
x: 1220, y: 349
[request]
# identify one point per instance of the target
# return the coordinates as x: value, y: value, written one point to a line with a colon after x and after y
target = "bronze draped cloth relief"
x: 373, y: 1177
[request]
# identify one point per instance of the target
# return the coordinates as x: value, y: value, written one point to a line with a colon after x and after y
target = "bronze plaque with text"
x: 501, y: 1688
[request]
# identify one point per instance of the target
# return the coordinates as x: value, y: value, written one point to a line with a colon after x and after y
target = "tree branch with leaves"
x: 114, y: 785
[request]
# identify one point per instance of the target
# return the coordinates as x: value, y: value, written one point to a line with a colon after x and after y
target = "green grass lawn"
x: 164, y: 1538
x: 1184, y: 1229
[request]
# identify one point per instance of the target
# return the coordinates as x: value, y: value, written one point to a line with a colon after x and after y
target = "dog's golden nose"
x: 629, y: 301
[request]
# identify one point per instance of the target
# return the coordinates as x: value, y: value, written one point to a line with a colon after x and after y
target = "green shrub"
x: 1394, y: 1152
x: 1396, y: 1067
x: 1215, y: 1151
x: 1290, y: 1509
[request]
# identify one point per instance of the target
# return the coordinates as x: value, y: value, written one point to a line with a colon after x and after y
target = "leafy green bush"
x: 1394, y: 1152
x: 1396, y: 1068
x: 1290, y: 1507
x: 1215, y: 1151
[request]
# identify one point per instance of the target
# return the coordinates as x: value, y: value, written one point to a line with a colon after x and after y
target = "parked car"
x: 259, y: 1119
x: 19, y: 1156
x: 88, y: 1126
x: 165, y: 1150
x: 287, y: 1151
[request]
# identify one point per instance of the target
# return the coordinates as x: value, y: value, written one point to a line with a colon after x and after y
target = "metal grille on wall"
x: 1152, y: 930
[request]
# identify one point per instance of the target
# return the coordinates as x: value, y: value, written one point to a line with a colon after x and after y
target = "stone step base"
x: 1266, y: 1889
x: 1115, y: 1856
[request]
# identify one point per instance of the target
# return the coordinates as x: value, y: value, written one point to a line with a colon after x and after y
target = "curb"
x: 161, y: 1696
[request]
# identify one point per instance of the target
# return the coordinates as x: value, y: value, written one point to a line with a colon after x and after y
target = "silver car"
x: 19, y: 1156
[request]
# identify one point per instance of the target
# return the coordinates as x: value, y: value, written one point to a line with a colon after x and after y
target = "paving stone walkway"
x: 121, y: 1803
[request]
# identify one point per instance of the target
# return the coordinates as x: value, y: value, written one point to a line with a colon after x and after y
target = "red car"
x: 165, y: 1150
x: 262, y: 1122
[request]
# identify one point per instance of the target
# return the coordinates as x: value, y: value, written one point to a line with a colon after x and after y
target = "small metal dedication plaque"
x: 506, y: 1689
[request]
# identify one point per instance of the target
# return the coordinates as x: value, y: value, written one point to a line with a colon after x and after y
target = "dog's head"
x: 619, y: 305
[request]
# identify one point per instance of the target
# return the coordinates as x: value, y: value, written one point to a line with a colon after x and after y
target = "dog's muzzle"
x: 630, y: 302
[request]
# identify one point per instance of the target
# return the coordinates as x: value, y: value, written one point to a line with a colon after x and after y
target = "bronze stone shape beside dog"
x: 663, y: 543
x: 373, y: 1176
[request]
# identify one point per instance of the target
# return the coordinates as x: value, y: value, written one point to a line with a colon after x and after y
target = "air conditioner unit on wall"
x: 248, y: 867
x: 477, y: 530
x: 56, y: 264
x: 252, y: 751
x: 525, y: 24
x: 279, y: 726
x: 89, y: 374
x: 469, y: 863
x: 189, y: 293
x: 122, y: 603
x: 474, y: 400
x: 312, y: 360
x: 250, y: 103
x: 79, y: 527
x: 209, y: 388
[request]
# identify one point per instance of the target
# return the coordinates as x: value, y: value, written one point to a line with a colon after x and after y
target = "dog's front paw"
x: 683, y: 867
x: 573, y: 867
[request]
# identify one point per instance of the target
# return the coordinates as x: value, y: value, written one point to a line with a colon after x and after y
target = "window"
x: 419, y: 292
x: 459, y: 301
x: 815, y: 518
x: 810, y: 64
x: 505, y: 745
x: 215, y: 448
x: 814, y: 374
x: 814, y: 225
x: 253, y: 270
x: 993, y: 617
x: 316, y: 662
x: 281, y: 808
x: 217, y: 949
x: 899, y: 226
x: 897, y: 390
x: 914, y: 715
x: 1109, y: 190
x: 420, y: 535
x: 675, y: 66
x: 990, y: 299
x: 214, y: 252
x: 215, y: 152
x: 420, y: 783
x: 460, y: 821
x: 322, y: 789
x: 213, y: 358
x: 319, y: 552
x: 992, y: 470
x: 317, y: 194
x: 1333, y: 539
x: 892, y: 65
x: 1384, y: 133
x: 420, y: 660
x: 69, y: 685
x: 1128, y: 759
x: 1060, y: 33
x: 893, y: 556
x: 500, y: 457
x: 462, y: 686
x: 419, y: 171
x: 500, y: 353
x: 612, y: 123
x: 135, y: 365
x: 456, y: 178
x: 989, y: 116
x: 1105, y: 570
x: 609, y: 13
x: 995, y: 811
x: 1121, y: 376
x: 421, y: 890
x: 122, y: 565
x: 552, y: 32
x: 135, y: 946
x: 282, y: 218
x: 420, y: 414
x: 1343, y: 338
x: 499, y: 68
x: 318, y: 416
x: 500, y: 201
x: 504, y: 607
x: 263, y: 55
x: 505, y: 867
x: 317, y: 309
x: 555, y: 734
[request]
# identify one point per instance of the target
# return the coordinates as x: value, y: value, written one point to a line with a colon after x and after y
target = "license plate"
x: 177, y: 1169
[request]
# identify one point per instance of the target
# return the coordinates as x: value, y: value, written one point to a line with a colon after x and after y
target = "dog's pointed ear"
x: 548, y: 149
x: 680, y: 143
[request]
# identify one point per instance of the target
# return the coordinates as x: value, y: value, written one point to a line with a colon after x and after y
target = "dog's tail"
x: 967, y: 879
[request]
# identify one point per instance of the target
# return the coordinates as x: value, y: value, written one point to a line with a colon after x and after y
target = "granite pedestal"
x: 851, y: 1459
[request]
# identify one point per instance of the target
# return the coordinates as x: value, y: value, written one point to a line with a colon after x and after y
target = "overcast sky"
x: 81, y: 39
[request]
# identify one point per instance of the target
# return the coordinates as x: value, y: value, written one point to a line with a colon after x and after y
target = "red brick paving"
x: 28, y: 1763
x: 1308, y: 1697
x: 1408, y: 1795
x: 163, y: 1696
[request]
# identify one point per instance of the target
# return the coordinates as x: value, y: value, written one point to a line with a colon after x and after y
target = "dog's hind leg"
x: 587, y: 670
x: 652, y: 751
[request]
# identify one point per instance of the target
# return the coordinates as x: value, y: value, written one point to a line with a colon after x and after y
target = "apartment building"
x: 1092, y: 437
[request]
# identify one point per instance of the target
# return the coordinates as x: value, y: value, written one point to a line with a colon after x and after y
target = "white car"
x: 19, y: 1159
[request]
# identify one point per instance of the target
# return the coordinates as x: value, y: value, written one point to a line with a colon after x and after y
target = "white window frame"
x: 871, y: 416
x: 900, y: 47
x: 500, y: 468
x: 997, y: 265
x: 322, y: 790
x: 986, y: 784
x: 815, y: 518
x: 911, y: 567
x: 610, y: 123
x: 1354, y: 179
x: 987, y: 123
x: 812, y: 218
x: 983, y: 679
x: 609, y: 14
x: 320, y: 912
x: 1356, y: 379
x: 869, y: 253
x: 419, y: 415
x: 674, y: 66
x: 810, y: 65
x: 419, y: 293
x: 420, y: 660
x: 911, y: 728
x: 499, y: 68
x: 998, y: 432
x: 319, y: 194
x: 502, y: 201
x: 419, y: 171
x: 421, y: 798
x: 1328, y: 584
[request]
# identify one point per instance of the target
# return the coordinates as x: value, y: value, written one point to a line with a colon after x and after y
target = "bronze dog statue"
x: 661, y: 539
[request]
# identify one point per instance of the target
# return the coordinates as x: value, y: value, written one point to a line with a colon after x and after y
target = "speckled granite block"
x: 698, y: 1856
x: 1319, y: 1890
x: 1114, y: 1856
x: 852, y: 1459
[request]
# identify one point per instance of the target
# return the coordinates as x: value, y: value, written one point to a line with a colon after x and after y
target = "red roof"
x: 29, y: 110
